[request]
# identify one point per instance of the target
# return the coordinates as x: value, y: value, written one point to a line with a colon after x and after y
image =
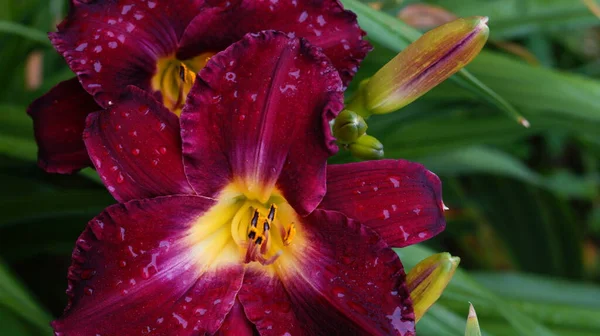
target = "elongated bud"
x: 472, y: 328
x: 428, y: 279
x: 366, y: 148
x: 431, y: 59
x: 348, y: 127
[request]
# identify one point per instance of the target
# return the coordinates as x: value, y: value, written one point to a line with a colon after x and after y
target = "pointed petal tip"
x: 472, y: 313
x: 445, y: 207
x: 524, y: 122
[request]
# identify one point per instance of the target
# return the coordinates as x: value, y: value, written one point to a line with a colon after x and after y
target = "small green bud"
x: 367, y: 148
x: 348, y: 127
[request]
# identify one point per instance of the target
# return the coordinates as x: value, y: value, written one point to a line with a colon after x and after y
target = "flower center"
x: 175, y: 78
x: 258, y: 236
x: 239, y: 229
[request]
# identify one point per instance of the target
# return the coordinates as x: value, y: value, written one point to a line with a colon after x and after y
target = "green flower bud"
x: 348, y: 127
x: 366, y: 148
x: 472, y: 328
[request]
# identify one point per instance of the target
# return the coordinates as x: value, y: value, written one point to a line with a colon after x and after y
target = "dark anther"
x: 182, y: 73
x: 271, y: 215
x: 266, y: 226
x: 251, y: 235
x: 259, y: 241
x: 254, y: 221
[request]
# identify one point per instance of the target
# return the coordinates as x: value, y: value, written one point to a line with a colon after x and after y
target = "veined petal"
x: 136, y: 147
x: 58, y: 121
x: 322, y: 22
x: 112, y: 44
x: 259, y: 115
x: 401, y: 200
x: 135, y: 272
x: 236, y: 323
x: 346, y: 281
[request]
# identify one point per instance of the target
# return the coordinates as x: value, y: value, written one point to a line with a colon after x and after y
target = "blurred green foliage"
x: 525, y: 202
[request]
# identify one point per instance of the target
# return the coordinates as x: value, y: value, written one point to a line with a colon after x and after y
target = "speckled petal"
x: 401, y: 200
x: 136, y: 148
x: 112, y: 44
x: 259, y: 115
x: 323, y: 22
x: 58, y: 122
x: 347, y: 281
x: 135, y: 272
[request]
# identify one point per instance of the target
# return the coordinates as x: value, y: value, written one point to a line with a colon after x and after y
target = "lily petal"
x: 236, y: 323
x: 58, y: 121
x: 332, y: 289
x: 112, y: 44
x: 135, y: 272
x: 136, y: 148
x: 401, y: 200
x: 263, y: 121
x: 322, y: 22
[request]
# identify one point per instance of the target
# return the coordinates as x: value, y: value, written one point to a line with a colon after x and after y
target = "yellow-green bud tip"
x: 366, y: 148
x: 425, y: 63
x: 472, y: 328
x: 428, y: 279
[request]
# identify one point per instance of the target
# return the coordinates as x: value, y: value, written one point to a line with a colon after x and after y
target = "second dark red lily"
x: 151, y: 44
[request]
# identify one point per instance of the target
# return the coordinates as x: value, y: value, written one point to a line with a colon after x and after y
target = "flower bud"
x: 348, y: 127
x: 428, y: 279
x: 425, y: 63
x: 366, y: 148
x: 472, y: 323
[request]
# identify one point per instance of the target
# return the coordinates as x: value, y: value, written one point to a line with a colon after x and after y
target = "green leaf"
x: 8, y: 27
x: 14, y: 296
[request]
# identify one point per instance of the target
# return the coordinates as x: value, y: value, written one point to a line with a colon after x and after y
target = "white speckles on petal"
x: 417, y: 211
x: 230, y: 76
x: 295, y: 74
x: 112, y: 44
x: 121, y: 38
x: 181, y: 320
x: 151, y: 4
x: 253, y: 97
x: 386, y: 214
x: 81, y: 47
x: 321, y: 20
x: 217, y: 301
x: 404, y: 233
x: 97, y: 66
x: 126, y: 9
x: 130, y: 27
x: 303, y: 17
x: 98, y: 49
x: 287, y: 87
x: 138, y: 16
x: 395, y: 182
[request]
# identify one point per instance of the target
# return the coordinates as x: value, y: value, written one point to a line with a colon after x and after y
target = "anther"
x: 289, y: 235
x: 272, y: 213
x: 254, y: 221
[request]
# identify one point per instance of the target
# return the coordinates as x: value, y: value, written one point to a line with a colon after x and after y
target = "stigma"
x: 259, y: 236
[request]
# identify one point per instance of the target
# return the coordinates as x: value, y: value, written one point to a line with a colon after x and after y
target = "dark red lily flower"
x: 240, y: 232
x: 159, y: 46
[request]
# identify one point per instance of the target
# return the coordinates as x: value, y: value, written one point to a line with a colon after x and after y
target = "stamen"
x: 289, y: 235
